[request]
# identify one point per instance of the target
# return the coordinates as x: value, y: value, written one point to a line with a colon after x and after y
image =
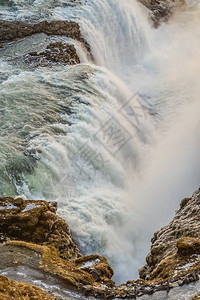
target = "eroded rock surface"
x: 10, y: 289
x: 14, y: 30
x: 89, y: 275
x: 162, y: 10
x: 36, y: 222
x: 172, y: 262
x: 175, y: 243
x: 32, y: 235
x: 53, y: 54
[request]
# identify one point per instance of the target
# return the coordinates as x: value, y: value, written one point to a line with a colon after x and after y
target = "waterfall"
x: 125, y: 150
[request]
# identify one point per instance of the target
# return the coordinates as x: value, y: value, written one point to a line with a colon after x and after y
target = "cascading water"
x: 115, y: 142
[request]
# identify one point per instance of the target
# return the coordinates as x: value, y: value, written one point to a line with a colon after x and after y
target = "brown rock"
x: 36, y: 222
x: 13, y: 30
x: 10, y: 289
x: 54, y: 53
x: 97, y: 266
x: 188, y: 246
x: 172, y: 244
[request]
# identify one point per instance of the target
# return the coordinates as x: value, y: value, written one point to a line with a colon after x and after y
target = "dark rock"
x: 13, y: 30
x: 54, y: 53
x: 162, y: 10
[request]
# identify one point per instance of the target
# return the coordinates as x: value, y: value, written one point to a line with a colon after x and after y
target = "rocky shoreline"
x: 55, y: 53
x: 32, y: 235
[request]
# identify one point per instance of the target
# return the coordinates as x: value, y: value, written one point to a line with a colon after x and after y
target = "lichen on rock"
x: 11, y: 289
x: 177, y: 244
x: 36, y: 222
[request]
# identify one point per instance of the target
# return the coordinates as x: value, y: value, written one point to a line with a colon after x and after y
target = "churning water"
x: 116, y: 142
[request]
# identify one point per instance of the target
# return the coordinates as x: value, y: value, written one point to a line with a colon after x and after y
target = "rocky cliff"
x: 176, y: 244
x: 32, y: 235
x: 162, y: 10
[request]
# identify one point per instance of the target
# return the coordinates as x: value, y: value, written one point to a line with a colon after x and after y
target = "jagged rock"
x: 47, y: 258
x: 31, y: 234
x: 183, y: 232
x: 188, y: 246
x: 54, y: 53
x: 13, y: 30
x: 36, y: 222
x: 162, y: 10
x: 10, y: 289
x: 73, y: 274
x: 97, y: 266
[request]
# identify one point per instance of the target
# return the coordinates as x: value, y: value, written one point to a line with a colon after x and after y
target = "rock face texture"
x: 175, y: 242
x: 10, y: 289
x: 32, y: 235
x: 13, y: 30
x: 36, y: 222
x: 162, y: 10
x: 54, y: 53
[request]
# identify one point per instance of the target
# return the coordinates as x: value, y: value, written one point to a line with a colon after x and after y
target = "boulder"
x: 53, y: 54
x: 36, y: 222
x: 13, y: 30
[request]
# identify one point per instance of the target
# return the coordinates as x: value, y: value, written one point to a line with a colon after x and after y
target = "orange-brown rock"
x: 78, y: 274
x: 36, y: 222
x: 188, y: 246
x: 177, y: 244
x: 10, y: 289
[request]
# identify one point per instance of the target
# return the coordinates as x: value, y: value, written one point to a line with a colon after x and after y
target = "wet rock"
x: 54, y: 53
x: 162, y: 10
x: 97, y: 266
x: 172, y: 244
x: 36, y: 222
x: 68, y: 273
x: 44, y: 257
x: 13, y: 30
x: 10, y: 289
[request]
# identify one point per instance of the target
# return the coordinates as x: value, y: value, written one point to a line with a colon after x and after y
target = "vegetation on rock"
x: 10, y: 289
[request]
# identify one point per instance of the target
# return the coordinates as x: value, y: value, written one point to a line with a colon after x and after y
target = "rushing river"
x: 114, y: 142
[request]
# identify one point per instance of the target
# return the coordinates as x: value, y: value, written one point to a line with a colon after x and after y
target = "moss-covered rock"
x: 36, y: 222
x: 10, y: 289
x: 177, y: 241
x: 188, y: 246
x: 90, y: 274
